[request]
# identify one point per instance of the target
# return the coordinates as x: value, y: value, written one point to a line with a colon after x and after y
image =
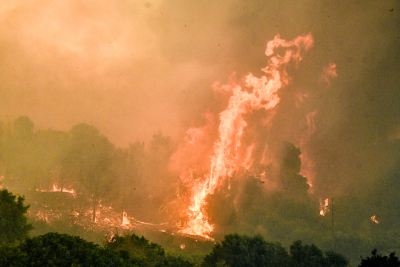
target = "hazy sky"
x: 132, y: 68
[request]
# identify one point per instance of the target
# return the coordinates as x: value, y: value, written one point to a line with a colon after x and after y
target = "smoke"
x: 132, y: 68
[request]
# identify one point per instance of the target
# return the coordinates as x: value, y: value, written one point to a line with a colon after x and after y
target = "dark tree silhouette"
x: 377, y: 260
x: 53, y: 249
x: 291, y: 180
x: 241, y: 250
x: 13, y: 222
x: 310, y: 255
x: 143, y: 253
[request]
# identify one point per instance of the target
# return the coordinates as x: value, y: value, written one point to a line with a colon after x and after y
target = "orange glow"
x: 328, y: 73
x: 373, y: 218
x: 57, y: 189
x: 307, y: 165
x: 257, y: 93
x: 125, y: 220
x: 323, y: 207
x: 248, y: 159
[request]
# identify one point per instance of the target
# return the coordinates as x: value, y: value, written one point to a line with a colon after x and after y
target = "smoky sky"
x: 131, y: 68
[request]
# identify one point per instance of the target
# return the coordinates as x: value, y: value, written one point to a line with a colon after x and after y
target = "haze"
x: 131, y: 68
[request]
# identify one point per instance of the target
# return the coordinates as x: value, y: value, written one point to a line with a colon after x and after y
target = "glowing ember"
x: 106, y: 218
x: 323, y: 207
x: 258, y: 93
x: 57, y: 189
x: 42, y: 216
x: 182, y: 246
x: 125, y: 220
x: 373, y: 218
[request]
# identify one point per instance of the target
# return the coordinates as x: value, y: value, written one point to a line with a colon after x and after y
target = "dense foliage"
x: 58, y: 250
x: 377, y: 260
x: 13, y: 220
x: 241, y: 250
x: 143, y: 253
x: 310, y: 255
x: 236, y: 250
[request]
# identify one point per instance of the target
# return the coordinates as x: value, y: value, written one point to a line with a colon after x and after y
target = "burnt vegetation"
x: 79, y: 183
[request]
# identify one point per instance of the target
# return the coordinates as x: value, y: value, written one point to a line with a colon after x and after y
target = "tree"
x: 23, y: 128
x: 49, y: 146
x: 160, y: 151
x: 58, y: 250
x: 11, y: 255
x: 90, y: 155
x: 143, y: 253
x: 241, y: 250
x: 291, y: 180
x: 334, y: 259
x: 310, y: 255
x: 19, y: 154
x: 13, y: 221
x: 139, y: 249
x: 377, y: 260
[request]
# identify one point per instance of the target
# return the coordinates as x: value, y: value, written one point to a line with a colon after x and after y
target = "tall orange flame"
x: 259, y: 93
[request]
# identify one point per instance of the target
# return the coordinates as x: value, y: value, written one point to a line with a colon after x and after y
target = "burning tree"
x: 235, y: 150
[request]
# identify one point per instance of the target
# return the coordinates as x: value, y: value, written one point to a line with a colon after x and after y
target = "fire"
x: 249, y: 160
x: 373, y: 218
x: 307, y: 165
x: 257, y: 93
x: 125, y: 220
x: 57, y: 189
x: 323, y: 207
x: 329, y: 72
x: 106, y: 217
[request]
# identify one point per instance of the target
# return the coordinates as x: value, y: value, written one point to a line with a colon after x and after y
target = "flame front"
x: 257, y: 93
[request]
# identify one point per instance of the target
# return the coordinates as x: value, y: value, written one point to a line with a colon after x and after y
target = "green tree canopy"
x: 13, y: 221
x: 244, y: 251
